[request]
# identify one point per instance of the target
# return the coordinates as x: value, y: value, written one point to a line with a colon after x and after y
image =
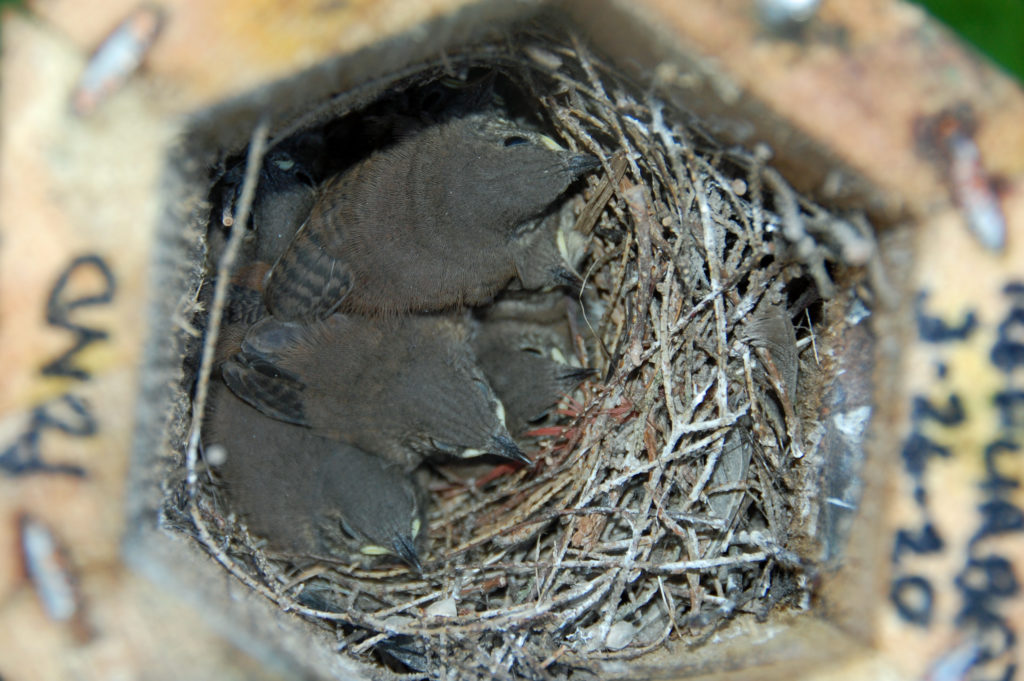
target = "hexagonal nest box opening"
x: 693, y: 487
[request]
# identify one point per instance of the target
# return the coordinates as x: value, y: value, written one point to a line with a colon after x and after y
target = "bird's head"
x: 504, y: 174
x: 375, y: 508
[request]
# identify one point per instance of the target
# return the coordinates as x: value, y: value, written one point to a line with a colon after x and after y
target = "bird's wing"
x: 308, y: 281
x: 276, y: 393
x: 244, y: 306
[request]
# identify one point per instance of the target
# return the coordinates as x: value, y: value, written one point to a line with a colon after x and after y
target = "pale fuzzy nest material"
x: 668, y: 498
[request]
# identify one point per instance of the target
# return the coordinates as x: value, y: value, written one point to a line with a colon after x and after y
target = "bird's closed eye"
x: 284, y: 162
x: 444, y: 447
x: 515, y: 140
x: 484, y: 388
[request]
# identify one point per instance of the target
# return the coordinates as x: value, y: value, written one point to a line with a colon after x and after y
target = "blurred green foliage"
x: 995, y: 27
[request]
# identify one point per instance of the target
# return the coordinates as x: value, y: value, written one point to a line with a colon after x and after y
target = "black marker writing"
x: 68, y: 413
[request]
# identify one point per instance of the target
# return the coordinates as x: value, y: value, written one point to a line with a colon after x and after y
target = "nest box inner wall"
x: 684, y: 493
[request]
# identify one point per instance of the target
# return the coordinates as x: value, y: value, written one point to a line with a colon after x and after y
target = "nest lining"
x: 668, y: 496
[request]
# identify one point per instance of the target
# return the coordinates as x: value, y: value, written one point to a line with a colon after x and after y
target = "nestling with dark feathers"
x: 308, y: 495
x: 436, y: 221
x: 400, y: 388
x: 524, y: 368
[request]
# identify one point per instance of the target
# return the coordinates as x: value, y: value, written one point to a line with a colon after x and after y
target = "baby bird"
x: 400, y: 388
x: 285, y: 195
x: 309, y: 495
x: 436, y: 221
x: 519, y: 360
x: 540, y: 261
x: 243, y: 307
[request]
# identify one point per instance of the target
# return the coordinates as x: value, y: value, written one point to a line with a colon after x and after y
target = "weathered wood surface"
x: 79, y: 198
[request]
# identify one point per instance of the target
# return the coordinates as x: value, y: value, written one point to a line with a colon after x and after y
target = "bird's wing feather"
x: 308, y: 281
x: 274, y: 392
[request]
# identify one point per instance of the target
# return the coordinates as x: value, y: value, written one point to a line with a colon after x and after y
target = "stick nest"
x: 669, y: 495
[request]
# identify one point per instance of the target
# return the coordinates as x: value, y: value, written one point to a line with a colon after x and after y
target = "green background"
x: 994, y: 27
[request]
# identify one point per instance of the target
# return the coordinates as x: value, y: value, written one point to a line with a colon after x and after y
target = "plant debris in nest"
x: 670, y: 494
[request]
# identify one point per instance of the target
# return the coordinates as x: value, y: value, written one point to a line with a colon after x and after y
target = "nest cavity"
x: 671, y: 494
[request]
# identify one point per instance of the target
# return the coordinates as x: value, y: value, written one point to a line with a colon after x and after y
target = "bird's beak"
x: 581, y: 163
x: 569, y: 279
x: 578, y: 375
x: 507, y: 448
x: 405, y: 548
